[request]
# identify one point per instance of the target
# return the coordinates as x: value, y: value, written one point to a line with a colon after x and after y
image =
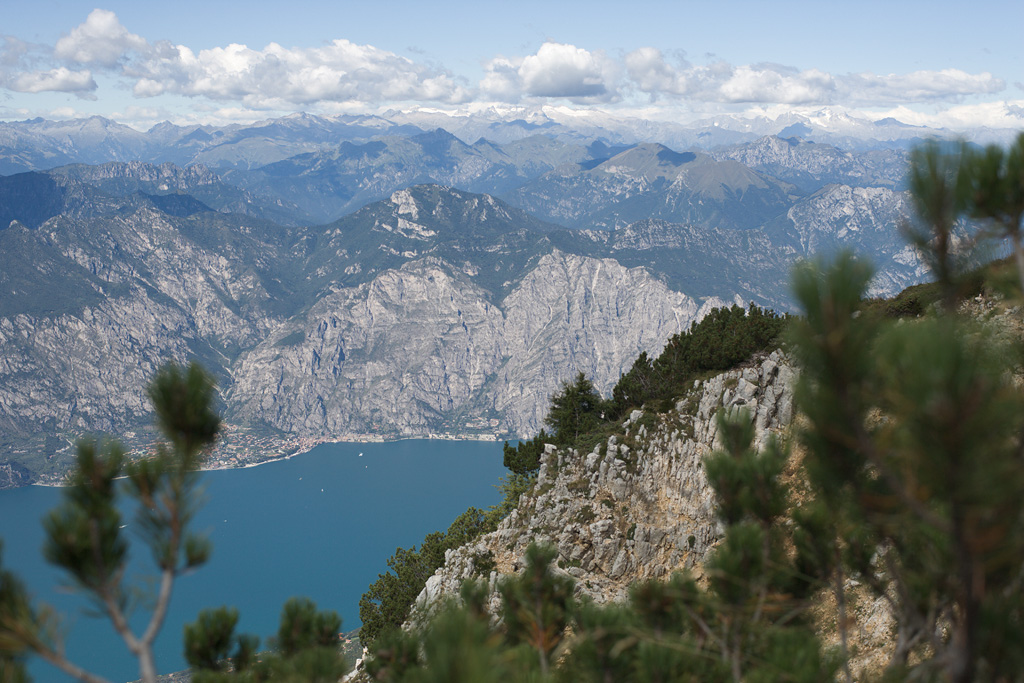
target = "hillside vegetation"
x: 909, y: 473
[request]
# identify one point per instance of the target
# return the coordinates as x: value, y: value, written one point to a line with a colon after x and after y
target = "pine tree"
x: 997, y: 194
x: 460, y: 645
x: 305, y: 649
x: 537, y: 605
x: 913, y: 441
x: 387, y: 602
x: 752, y: 619
x: 84, y: 534
x: 208, y: 641
x: 914, y: 435
x: 524, y: 457
x: 637, y: 386
x: 84, y: 537
x: 748, y: 625
x: 575, y: 409
x: 940, y: 179
x: 15, y: 613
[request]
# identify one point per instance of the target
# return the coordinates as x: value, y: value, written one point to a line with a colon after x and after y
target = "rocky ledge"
x: 638, y: 505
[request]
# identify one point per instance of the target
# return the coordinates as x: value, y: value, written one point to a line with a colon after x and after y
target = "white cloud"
x: 134, y: 113
x: 557, y: 70
x: 722, y: 82
x: 650, y: 73
x: 101, y: 40
x: 502, y: 79
x: 65, y: 113
x: 12, y: 51
x: 345, y: 76
x: 274, y: 77
x: 776, y: 84
x: 60, y: 79
x: 24, y: 69
x: 998, y: 115
x: 278, y: 77
x: 919, y: 86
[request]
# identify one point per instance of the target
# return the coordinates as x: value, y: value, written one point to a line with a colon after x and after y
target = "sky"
x: 952, y: 64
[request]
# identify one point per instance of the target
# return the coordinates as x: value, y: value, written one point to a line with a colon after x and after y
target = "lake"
x: 321, y: 524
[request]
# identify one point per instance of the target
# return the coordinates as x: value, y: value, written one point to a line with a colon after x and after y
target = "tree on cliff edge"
x: 575, y: 410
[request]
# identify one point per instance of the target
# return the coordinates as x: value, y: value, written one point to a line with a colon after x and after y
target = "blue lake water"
x: 320, y: 525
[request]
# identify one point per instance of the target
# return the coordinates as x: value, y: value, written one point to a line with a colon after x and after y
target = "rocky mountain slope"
x: 123, y: 179
x: 334, y: 181
x: 811, y: 166
x: 95, y: 306
x: 826, y: 125
x: 422, y: 349
x: 639, y: 505
x: 434, y: 312
x: 39, y: 144
x: 653, y: 181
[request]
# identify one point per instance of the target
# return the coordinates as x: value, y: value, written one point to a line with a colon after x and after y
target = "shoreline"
x: 306, y: 448
x: 302, y: 445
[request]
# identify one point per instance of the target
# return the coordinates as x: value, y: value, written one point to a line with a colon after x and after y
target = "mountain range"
x: 38, y: 144
x: 361, y: 277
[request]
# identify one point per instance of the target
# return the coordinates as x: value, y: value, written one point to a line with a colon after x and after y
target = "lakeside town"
x: 239, y: 447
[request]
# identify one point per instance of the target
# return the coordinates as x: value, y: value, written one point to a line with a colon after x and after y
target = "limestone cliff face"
x: 422, y: 349
x: 639, y: 505
x: 58, y: 371
x: 811, y: 165
x: 83, y: 358
x: 840, y: 215
x: 166, y: 176
x: 574, y: 313
x: 93, y: 306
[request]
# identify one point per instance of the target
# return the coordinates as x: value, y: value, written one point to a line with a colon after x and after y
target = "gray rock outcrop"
x: 638, y: 506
